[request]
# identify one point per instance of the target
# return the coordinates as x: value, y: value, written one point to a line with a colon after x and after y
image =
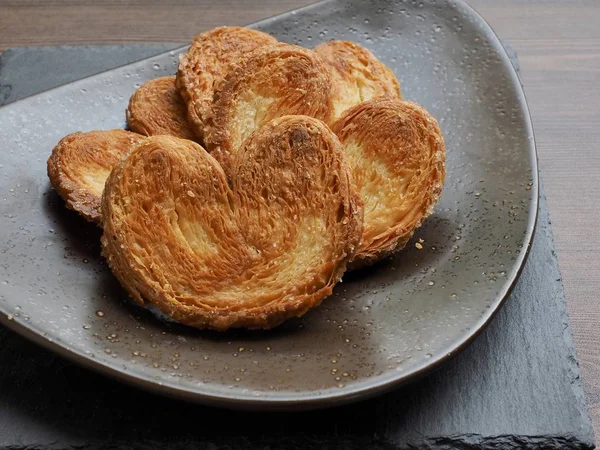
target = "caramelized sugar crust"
x: 396, y: 153
x: 210, y: 254
x: 157, y: 108
x: 81, y: 162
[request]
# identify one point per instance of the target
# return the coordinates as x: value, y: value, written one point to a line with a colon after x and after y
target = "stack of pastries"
x: 254, y: 178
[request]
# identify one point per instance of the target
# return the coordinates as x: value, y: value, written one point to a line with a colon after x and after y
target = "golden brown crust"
x: 157, y: 108
x: 396, y: 152
x: 80, y: 164
x: 357, y: 75
x: 206, y: 62
x: 268, y: 248
x: 270, y: 82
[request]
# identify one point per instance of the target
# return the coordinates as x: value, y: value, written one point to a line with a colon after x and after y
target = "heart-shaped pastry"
x: 80, y: 164
x: 396, y: 153
x: 270, y: 82
x: 157, y: 108
x: 357, y: 75
x: 206, y: 62
x: 266, y: 247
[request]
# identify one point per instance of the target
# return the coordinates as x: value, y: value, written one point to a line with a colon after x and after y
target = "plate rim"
x: 317, y: 399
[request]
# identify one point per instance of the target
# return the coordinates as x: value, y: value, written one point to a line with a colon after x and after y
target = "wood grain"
x: 558, y: 43
x: 52, y: 22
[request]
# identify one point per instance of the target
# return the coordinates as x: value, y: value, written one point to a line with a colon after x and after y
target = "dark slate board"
x: 517, y: 386
x: 48, y: 67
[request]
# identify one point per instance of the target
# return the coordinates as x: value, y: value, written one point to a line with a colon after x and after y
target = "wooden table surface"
x: 558, y: 44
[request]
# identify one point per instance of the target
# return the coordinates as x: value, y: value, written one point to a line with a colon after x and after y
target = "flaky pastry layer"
x: 270, y: 82
x: 157, y: 108
x: 357, y: 75
x: 396, y: 153
x: 269, y: 246
x: 81, y: 162
x: 206, y: 62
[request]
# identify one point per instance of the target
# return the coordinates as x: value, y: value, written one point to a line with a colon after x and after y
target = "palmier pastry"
x: 206, y: 62
x: 157, y: 108
x: 80, y: 164
x: 357, y: 75
x: 270, y: 82
x: 268, y: 247
x: 397, y: 157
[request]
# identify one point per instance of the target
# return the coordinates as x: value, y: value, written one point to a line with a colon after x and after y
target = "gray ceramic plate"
x: 384, y: 325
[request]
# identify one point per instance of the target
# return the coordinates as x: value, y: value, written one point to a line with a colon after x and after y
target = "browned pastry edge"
x: 206, y: 62
x: 356, y: 72
x: 80, y: 154
x: 173, y: 170
x: 156, y: 107
x: 404, y: 141
x: 270, y: 82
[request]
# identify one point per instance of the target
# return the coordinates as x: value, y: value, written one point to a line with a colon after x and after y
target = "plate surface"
x: 384, y: 325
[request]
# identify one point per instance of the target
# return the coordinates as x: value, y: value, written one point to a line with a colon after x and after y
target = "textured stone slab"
x: 516, y: 387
